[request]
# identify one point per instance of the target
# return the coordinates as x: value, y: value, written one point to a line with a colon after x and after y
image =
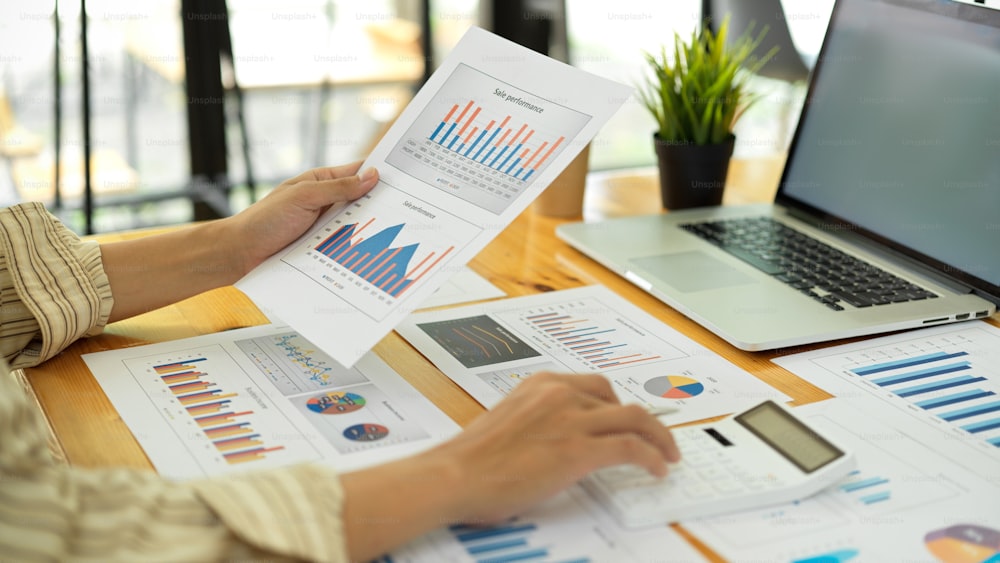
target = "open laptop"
x: 893, y: 172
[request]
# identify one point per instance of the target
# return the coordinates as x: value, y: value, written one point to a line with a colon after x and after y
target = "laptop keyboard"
x: 806, y: 264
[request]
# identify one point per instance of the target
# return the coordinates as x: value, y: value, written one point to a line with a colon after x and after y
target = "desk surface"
x: 526, y: 258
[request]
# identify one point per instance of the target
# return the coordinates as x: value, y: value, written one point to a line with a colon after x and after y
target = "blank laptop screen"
x: 901, y: 136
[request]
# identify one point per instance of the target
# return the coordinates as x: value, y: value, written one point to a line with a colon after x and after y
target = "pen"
x: 660, y: 411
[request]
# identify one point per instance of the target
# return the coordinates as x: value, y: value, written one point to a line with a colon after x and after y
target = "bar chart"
x: 593, y: 334
x: 211, y: 415
x: 942, y: 378
x: 375, y: 260
x: 483, y: 140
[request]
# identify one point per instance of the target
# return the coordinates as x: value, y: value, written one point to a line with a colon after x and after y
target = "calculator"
x: 762, y: 456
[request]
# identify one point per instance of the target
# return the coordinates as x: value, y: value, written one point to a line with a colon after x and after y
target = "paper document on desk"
x: 259, y: 398
x: 488, y: 348
x: 907, y: 501
x: 493, y: 126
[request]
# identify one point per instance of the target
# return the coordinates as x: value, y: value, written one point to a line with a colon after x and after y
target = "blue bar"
x: 500, y: 154
x: 509, y: 156
x: 528, y: 175
x: 512, y: 165
x: 476, y: 142
x: 928, y: 387
x: 437, y: 130
x: 488, y: 141
x: 483, y: 548
x: 971, y: 411
x: 485, y: 158
x: 982, y: 426
x: 929, y: 372
x: 450, y: 129
x: 453, y: 140
x: 877, y: 497
x: 567, y: 344
x: 558, y: 334
x: 519, y: 172
x: 523, y: 556
x: 493, y: 532
x: 864, y: 484
x: 592, y: 350
x: 906, y: 362
x: 954, y: 398
x: 995, y: 441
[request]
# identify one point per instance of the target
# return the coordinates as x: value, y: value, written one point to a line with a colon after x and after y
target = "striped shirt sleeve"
x: 52, y: 291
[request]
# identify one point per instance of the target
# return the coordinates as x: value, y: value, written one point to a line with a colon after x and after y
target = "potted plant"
x: 696, y: 99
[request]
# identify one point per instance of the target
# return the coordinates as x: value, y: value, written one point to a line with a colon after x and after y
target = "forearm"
x: 388, y: 505
x: 151, y: 272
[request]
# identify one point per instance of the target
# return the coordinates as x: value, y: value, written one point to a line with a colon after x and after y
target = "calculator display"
x: 792, y: 439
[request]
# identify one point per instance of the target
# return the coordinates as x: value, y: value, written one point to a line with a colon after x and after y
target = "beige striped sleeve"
x: 54, y: 291
x: 53, y: 288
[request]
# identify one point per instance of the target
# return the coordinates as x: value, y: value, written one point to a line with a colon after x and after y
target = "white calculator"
x: 762, y: 456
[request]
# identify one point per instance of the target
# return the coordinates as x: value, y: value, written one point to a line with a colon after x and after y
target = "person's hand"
x: 290, y: 210
x: 546, y: 435
x: 550, y: 432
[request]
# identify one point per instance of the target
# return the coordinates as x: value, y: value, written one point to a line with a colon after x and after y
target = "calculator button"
x: 699, y: 491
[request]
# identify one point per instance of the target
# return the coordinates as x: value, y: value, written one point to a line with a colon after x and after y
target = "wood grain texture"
x: 526, y: 258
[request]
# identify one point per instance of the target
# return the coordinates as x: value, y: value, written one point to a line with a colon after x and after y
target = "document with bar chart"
x: 946, y: 380
x: 890, y: 509
x: 570, y: 527
x: 493, y: 126
x: 262, y: 397
x: 489, y: 348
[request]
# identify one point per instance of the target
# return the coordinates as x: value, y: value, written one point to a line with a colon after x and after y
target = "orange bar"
x: 538, y: 150
x: 519, y: 131
x: 461, y: 115
x: 469, y: 122
x: 387, y: 281
x: 429, y: 268
x: 524, y: 154
x: 504, y: 123
x: 200, y: 399
x: 471, y: 133
x: 504, y: 136
x: 454, y: 108
x: 382, y: 263
x: 413, y: 269
x: 552, y: 148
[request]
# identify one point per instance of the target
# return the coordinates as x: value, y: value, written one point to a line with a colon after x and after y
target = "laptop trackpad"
x: 691, y: 271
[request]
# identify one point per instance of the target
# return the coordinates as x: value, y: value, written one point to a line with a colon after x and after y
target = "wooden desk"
x: 526, y: 258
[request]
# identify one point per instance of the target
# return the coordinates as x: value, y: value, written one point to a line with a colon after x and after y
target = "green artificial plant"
x: 698, y: 96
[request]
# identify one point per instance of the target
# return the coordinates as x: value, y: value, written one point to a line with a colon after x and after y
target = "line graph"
x: 483, y: 140
x: 294, y: 365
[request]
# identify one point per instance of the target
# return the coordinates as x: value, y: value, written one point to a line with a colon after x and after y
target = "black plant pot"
x: 692, y: 175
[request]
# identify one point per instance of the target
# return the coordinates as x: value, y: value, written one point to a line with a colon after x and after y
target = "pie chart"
x: 674, y: 387
x: 366, y: 432
x: 335, y: 402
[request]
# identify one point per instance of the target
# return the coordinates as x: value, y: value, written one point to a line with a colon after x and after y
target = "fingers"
x: 635, y: 421
x: 320, y: 193
x: 596, y: 386
x: 618, y: 449
x: 327, y: 173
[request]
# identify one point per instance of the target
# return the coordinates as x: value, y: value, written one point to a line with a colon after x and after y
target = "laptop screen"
x: 900, y: 138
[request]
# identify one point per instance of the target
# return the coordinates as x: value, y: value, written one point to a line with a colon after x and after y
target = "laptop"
x: 887, y: 216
